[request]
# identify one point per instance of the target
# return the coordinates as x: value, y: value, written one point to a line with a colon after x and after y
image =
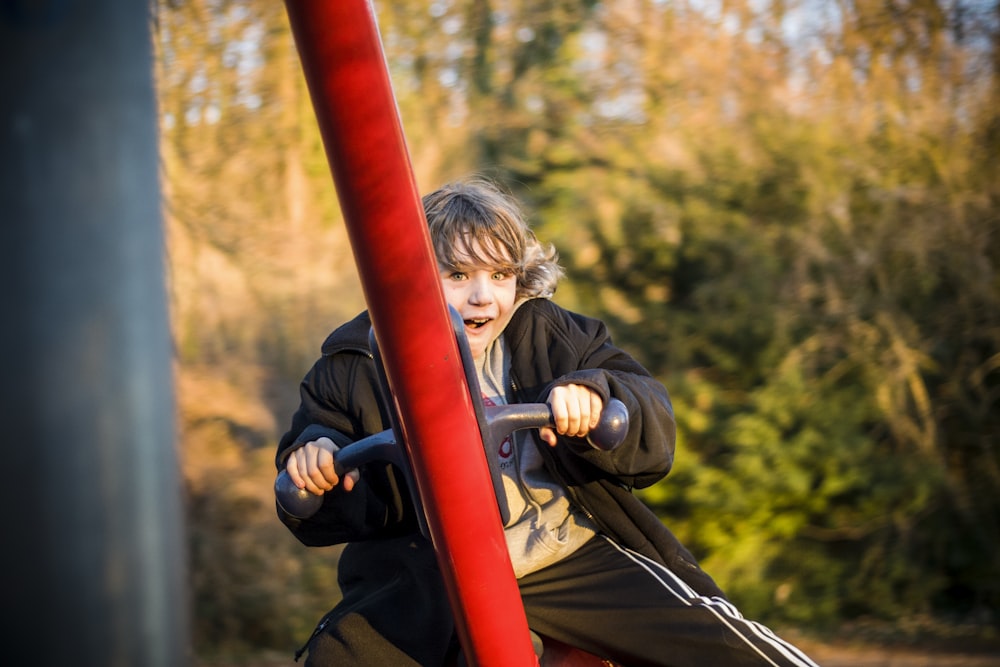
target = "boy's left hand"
x: 576, y: 409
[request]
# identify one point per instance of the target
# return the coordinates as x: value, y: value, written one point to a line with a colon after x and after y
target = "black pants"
x: 604, y: 599
x: 620, y: 605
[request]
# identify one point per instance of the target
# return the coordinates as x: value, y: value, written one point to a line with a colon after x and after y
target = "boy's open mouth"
x: 477, y: 322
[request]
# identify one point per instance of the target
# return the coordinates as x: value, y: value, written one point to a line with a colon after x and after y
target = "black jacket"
x: 548, y: 345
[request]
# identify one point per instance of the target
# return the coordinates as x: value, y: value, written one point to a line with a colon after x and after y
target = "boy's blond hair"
x: 476, y: 209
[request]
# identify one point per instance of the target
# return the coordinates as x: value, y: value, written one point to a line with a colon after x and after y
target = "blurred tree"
x: 252, y: 211
x: 260, y: 271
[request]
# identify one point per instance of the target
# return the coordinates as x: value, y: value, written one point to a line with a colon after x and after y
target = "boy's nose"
x: 481, y: 292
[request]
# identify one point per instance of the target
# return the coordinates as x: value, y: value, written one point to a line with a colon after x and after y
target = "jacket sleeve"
x: 579, y: 350
x: 339, y: 400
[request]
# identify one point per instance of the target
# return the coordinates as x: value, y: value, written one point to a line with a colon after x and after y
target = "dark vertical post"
x: 341, y: 53
x: 93, y: 560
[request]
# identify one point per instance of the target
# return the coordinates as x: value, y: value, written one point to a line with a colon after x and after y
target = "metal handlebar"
x: 501, y: 421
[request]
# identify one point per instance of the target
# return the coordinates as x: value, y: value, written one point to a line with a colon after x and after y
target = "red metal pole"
x: 341, y: 53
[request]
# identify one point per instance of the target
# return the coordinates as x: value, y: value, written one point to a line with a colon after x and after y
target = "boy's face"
x: 483, y: 295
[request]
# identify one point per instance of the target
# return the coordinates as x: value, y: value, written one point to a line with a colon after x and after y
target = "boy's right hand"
x: 313, y: 468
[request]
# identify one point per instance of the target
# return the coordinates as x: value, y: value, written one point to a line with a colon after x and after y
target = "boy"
x: 595, y: 567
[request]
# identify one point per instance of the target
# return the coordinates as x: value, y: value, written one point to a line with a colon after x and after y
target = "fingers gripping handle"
x: 302, y: 504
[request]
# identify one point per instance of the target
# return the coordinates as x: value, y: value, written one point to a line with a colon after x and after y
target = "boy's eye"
x: 501, y: 275
x: 456, y: 275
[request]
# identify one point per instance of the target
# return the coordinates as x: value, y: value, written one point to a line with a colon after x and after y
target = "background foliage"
x: 787, y: 209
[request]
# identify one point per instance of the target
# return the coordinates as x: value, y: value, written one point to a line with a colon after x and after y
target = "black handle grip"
x: 611, y: 430
x: 502, y: 420
x: 296, y: 502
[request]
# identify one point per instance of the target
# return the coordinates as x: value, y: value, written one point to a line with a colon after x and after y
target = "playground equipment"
x: 348, y: 80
